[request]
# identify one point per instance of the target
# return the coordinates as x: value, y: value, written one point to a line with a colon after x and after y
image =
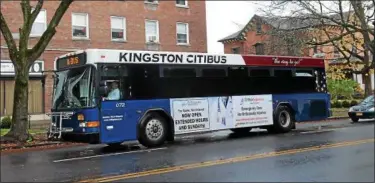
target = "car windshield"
x: 368, y: 100
x: 74, y: 89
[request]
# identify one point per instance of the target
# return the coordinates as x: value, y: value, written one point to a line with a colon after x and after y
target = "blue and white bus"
x: 115, y: 96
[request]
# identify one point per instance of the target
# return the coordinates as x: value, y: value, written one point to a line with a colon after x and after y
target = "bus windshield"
x: 74, y: 88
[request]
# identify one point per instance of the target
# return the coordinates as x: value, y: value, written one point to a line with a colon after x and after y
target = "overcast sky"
x: 221, y: 16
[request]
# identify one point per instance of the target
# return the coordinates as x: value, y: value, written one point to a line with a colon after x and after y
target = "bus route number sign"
x: 72, y: 61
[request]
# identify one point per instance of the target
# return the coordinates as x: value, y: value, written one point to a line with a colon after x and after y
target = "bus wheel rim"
x: 284, y: 119
x: 154, y: 129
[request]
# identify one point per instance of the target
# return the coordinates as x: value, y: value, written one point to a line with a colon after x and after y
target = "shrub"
x: 345, y: 104
x: 342, y: 89
x: 353, y: 103
x: 6, y: 122
x: 336, y: 104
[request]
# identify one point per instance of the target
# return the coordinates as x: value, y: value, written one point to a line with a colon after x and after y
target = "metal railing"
x: 53, y: 129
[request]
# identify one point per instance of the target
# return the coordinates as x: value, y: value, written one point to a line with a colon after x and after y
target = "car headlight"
x: 371, y: 109
x: 351, y: 109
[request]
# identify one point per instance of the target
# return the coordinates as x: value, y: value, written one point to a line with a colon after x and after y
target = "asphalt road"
x: 337, y: 151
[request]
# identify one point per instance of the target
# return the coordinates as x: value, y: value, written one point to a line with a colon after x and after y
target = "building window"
x: 182, y: 33
x: 182, y: 3
x: 80, y: 25
x: 151, y: 1
x: 259, y: 49
x: 118, y: 28
x: 236, y: 50
x: 152, y: 31
x: 40, y: 24
x: 259, y: 27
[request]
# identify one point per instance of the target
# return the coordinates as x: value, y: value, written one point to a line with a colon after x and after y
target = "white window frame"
x: 187, y: 33
x: 87, y: 26
x: 124, y: 28
x: 45, y: 23
x: 157, y: 31
x: 182, y: 6
x: 155, y: 2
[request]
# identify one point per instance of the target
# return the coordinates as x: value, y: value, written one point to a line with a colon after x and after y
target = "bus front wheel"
x: 152, y: 130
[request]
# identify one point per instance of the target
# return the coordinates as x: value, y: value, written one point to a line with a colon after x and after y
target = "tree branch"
x: 12, y: 47
x: 330, y: 39
x: 36, y: 11
x: 25, y: 30
x: 38, y: 49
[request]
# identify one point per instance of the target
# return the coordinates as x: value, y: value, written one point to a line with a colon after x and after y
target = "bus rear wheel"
x: 152, y: 130
x: 283, y: 120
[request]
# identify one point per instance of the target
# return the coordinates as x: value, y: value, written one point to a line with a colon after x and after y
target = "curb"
x: 22, y: 149
x: 33, y: 145
x: 331, y: 119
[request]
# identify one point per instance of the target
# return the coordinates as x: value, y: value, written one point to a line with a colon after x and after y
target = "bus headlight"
x: 82, y: 124
x: 371, y: 109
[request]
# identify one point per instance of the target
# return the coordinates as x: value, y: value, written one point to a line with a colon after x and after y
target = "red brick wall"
x: 135, y: 13
x: 229, y: 46
x: 248, y: 45
x: 99, y: 12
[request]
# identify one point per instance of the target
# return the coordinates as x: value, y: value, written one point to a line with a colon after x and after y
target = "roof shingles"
x: 285, y: 23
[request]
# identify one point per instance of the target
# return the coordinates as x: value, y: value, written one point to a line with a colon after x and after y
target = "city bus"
x: 110, y: 96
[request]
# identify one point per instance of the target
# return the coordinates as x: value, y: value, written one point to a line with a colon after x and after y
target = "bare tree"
x: 344, y: 25
x: 22, y: 58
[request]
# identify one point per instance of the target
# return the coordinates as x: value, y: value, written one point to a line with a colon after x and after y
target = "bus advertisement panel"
x: 217, y: 113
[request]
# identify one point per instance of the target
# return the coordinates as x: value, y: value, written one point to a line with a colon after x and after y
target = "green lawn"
x: 32, y: 131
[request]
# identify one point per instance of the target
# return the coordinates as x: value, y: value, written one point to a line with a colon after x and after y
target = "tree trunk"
x: 19, y: 128
x: 368, y: 83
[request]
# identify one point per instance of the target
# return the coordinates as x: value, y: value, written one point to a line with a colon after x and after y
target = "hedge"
x: 343, y: 103
x: 6, y: 122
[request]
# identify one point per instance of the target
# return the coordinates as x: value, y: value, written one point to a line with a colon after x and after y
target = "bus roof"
x: 94, y: 56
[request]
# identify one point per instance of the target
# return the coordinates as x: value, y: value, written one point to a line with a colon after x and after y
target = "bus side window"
x: 214, y: 72
x: 117, y: 74
x: 260, y: 73
x: 212, y: 82
x: 283, y: 73
x: 180, y: 80
x: 179, y: 72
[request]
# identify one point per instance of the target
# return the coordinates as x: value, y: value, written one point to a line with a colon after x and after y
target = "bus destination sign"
x: 71, y: 61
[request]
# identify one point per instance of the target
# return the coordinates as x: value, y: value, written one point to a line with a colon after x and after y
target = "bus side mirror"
x: 103, y: 83
x: 103, y: 90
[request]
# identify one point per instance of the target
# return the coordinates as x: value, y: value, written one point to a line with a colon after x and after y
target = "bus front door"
x: 115, y: 126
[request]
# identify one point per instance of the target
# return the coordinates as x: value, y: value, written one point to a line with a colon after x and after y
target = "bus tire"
x: 153, y: 130
x: 283, y: 121
x: 241, y: 130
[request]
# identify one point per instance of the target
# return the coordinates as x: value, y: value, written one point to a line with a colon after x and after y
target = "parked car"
x: 364, y: 110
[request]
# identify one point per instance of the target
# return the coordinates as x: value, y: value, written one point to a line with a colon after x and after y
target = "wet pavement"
x: 348, y: 163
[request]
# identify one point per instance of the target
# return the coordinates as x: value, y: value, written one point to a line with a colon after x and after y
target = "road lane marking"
x: 104, y: 155
x: 317, y: 131
x: 226, y: 161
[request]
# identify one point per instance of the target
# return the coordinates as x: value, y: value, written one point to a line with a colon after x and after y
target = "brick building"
x: 135, y: 25
x: 287, y: 37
